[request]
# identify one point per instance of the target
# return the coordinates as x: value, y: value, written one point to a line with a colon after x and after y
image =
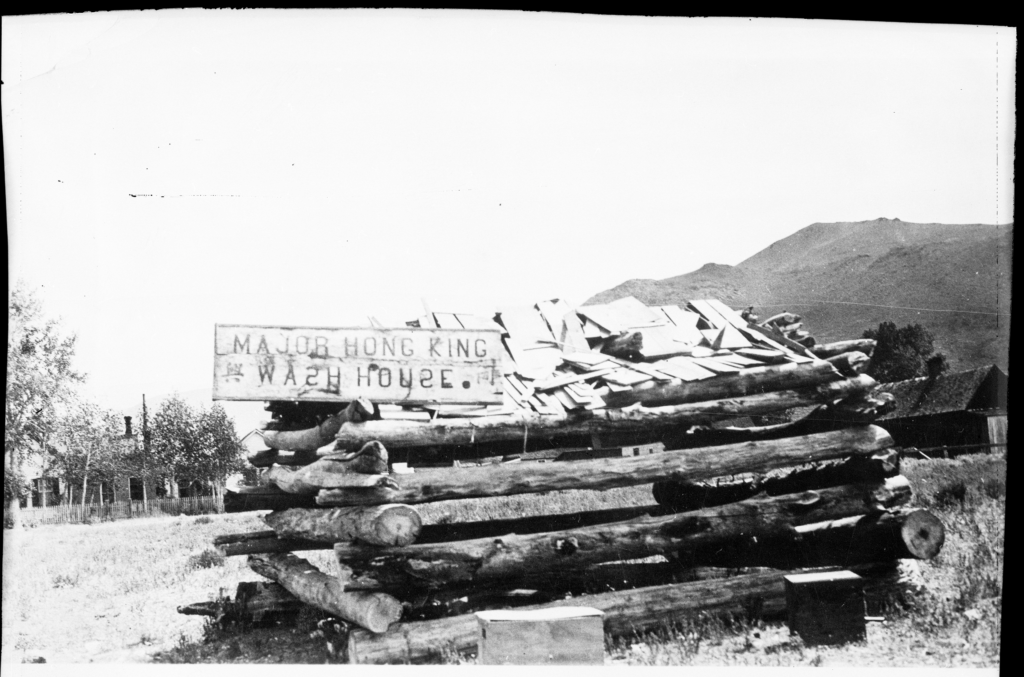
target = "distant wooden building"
x: 954, y: 409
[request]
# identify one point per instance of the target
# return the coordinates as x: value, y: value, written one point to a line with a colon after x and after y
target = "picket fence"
x: 69, y: 513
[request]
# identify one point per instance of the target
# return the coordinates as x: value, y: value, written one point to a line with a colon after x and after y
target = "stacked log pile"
x: 822, y: 491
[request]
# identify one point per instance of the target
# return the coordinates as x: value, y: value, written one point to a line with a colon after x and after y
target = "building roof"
x: 974, y: 390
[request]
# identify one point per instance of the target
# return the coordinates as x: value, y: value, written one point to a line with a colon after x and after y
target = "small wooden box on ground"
x: 826, y: 607
x: 561, y: 635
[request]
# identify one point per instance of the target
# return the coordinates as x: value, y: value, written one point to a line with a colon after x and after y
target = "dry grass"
x: 111, y: 591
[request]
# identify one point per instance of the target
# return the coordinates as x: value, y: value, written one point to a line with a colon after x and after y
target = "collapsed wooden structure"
x: 585, y: 389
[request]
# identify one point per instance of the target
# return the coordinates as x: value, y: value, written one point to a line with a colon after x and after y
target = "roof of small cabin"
x: 976, y: 389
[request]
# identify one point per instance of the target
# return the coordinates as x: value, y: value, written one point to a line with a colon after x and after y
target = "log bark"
x: 844, y: 542
x: 269, y: 541
x: 681, y: 496
x: 257, y: 542
x: 311, y: 439
x: 390, y: 524
x: 372, y: 457
x: 866, y: 346
x: 270, y: 498
x: 362, y: 468
x: 627, y: 612
x: 753, y: 381
x: 514, y: 556
x: 651, y: 421
x: 375, y: 611
x: 609, y: 473
x: 851, y: 363
x: 623, y: 345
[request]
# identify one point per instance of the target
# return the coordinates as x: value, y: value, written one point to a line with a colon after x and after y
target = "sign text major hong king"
x: 406, y: 365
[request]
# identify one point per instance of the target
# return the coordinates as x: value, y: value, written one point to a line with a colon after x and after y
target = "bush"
x: 203, y: 520
x: 206, y: 560
x: 951, y: 494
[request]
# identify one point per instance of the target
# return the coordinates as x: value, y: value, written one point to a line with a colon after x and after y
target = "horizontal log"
x: 610, y: 473
x: 649, y: 420
x: 680, y: 496
x: 311, y: 439
x: 866, y: 346
x: 375, y: 611
x: 269, y: 541
x: 851, y: 363
x: 626, y: 613
x: 844, y: 542
x: 391, y: 524
x: 553, y: 553
x: 753, y: 381
x: 364, y: 468
x: 270, y: 498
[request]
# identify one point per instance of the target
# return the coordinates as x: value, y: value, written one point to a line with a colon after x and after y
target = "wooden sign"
x: 323, y: 364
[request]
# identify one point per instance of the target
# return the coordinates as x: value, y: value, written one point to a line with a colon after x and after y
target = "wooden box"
x: 560, y: 635
x: 826, y: 608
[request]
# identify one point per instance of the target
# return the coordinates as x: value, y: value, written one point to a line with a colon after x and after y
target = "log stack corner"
x: 735, y: 485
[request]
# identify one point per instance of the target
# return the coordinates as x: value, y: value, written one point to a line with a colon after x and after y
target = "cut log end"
x: 923, y: 534
x: 399, y: 525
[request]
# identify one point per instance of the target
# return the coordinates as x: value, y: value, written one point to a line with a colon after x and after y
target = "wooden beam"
x: 609, y: 473
x: 311, y: 439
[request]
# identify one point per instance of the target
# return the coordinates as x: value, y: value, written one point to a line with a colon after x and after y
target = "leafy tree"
x: 905, y: 353
x: 88, y: 444
x: 40, y: 380
x: 195, y: 445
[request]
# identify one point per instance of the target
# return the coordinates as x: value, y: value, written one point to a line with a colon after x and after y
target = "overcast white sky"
x: 313, y: 167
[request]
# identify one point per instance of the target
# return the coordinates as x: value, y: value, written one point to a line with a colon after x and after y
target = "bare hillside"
x: 847, y: 277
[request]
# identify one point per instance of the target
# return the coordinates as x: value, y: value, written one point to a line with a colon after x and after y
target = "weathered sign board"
x: 325, y: 364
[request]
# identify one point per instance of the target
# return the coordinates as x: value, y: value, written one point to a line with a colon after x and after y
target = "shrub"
x: 951, y: 494
x: 203, y: 520
x: 206, y: 560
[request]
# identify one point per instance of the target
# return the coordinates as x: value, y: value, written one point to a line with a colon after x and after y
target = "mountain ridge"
x: 846, y: 277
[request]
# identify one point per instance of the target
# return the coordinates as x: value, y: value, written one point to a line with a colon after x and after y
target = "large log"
x: 609, y: 473
x: 269, y: 541
x: 371, y: 458
x: 689, y: 495
x: 391, y: 524
x: 265, y: 498
x: 753, y: 381
x: 851, y: 363
x: 866, y: 346
x: 651, y: 421
x: 312, y: 439
x: 626, y: 613
x: 362, y: 468
x: 511, y: 557
x: 844, y: 542
x: 375, y: 611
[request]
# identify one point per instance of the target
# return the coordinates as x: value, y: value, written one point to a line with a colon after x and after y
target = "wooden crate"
x: 560, y: 635
x: 826, y: 607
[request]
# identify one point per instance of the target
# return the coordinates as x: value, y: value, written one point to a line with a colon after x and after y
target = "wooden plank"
x: 652, y: 371
x: 684, y: 368
x: 728, y: 314
x: 525, y: 325
x: 564, y: 325
x: 447, y: 321
x: 478, y: 322
x: 561, y: 379
x: 707, y: 311
x: 625, y: 377
x: 730, y: 338
x: 623, y: 314
x: 661, y: 342
x: 714, y: 365
x: 340, y: 364
x: 593, y: 330
x: 585, y: 358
